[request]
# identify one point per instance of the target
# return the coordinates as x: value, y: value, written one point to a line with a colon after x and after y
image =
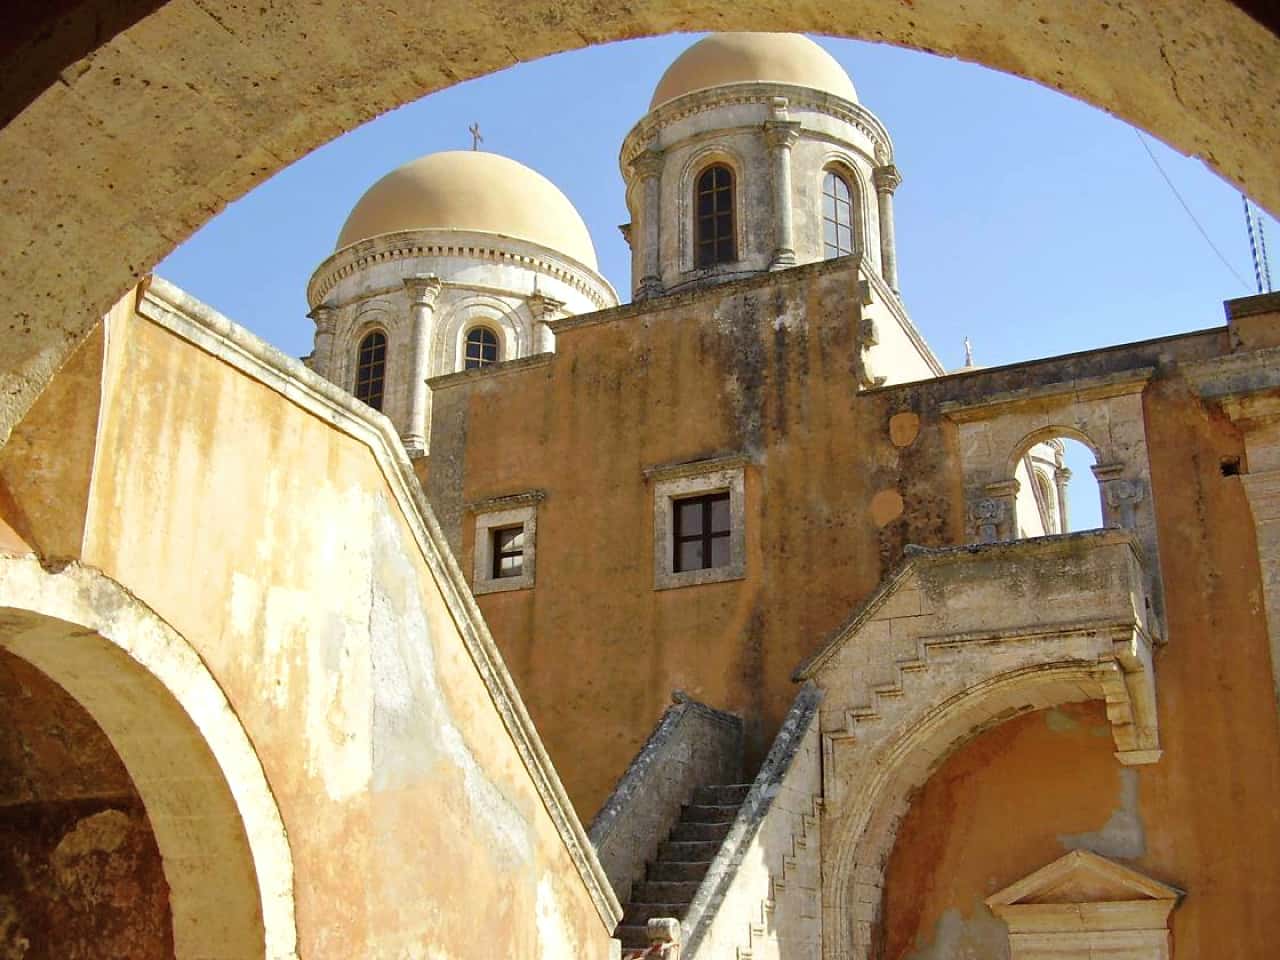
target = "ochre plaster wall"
x: 272, y: 542
x: 1203, y: 818
x: 80, y: 874
x: 760, y: 368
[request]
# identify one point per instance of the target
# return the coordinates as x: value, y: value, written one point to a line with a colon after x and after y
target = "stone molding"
x: 499, y: 369
x: 418, y: 244
x: 693, y: 745
x: 188, y: 318
x: 1084, y: 905
x: 696, y: 468
x: 763, y: 93
x: 85, y: 600
x: 1102, y: 387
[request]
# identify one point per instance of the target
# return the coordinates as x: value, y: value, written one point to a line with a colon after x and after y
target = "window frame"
x: 493, y: 516
x: 677, y: 482
x: 364, y: 337
x: 730, y: 211
x: 480, y: 328
x: 851, y: 226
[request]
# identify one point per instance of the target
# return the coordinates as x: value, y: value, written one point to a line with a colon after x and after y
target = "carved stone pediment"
x: 1085, y: 905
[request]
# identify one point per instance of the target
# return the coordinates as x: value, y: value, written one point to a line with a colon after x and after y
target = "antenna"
x: 1257, y: 245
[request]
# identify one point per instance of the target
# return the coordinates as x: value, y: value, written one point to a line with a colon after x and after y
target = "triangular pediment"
x: 1083, y: 877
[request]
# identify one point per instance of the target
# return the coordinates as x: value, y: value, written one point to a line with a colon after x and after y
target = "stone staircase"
x: 672, y: 880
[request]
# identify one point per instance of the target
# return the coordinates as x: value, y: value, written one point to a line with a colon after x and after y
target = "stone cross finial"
x: 476, y: 139
x: 968, y: 353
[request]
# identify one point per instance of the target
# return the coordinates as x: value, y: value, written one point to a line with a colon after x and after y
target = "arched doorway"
x: 219, y: 836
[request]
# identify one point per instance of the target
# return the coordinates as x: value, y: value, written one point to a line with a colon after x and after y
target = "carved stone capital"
x: 781, y: 133
x: 543, y: 307
x: 648, y: 163
x: 886, y: 178
x: 423, y: 289
x: 326, y: 320
x: 625, y: 230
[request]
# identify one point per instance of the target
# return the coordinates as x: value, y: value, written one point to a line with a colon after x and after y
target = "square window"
x: 698, y: 520
x: 506, y: 528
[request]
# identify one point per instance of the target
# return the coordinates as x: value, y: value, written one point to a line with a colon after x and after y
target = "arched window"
x: 714, y: 240
x: 371, y: 368
x: 481, y: 348
x: 837, y: 216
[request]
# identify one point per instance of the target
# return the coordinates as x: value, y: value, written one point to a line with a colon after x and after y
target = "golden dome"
x: 471, y: 190
x: 725, y: 58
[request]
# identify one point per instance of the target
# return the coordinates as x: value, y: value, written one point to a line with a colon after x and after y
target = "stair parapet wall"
x: 692, y: 746
x: 761, y: 896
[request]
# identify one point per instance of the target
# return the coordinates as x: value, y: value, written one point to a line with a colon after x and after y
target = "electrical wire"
x: 1145, y: 146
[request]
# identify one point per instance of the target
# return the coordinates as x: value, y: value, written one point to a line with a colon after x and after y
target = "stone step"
x: 709, y: 813
x: 727, y: 794
x: 700, y: 831
x: 664, y: 871
x: 665, y: 891
x: 642, y: 913
x: 633, y: 936
x: 696, y: 851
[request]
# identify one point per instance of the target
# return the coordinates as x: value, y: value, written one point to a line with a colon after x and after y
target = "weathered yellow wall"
x: 272, y: 542
x: 595, y: 650
x: 1205, y: 815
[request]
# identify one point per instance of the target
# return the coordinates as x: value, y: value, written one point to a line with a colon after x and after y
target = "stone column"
x: 423, y: 292
x: 886, y: 179
x: 544, y: 309
x: 648, y: 167
x: 326, y: 320
x: 781, y: 134
x: 1061, y: 477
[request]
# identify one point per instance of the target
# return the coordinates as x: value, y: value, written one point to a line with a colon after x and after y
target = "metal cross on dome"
x: 476, y: 139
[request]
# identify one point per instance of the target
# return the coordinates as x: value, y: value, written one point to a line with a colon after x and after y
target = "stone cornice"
x: 798, y: 98
x: 418, y: 244
x: 202, y: 326
x: 526, y: 498
x: 1084, y: 388
x: 491, y: 370
x: 696, y: 468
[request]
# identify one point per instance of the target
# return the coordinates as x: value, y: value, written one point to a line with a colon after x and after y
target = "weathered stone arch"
x: 222, y: 842
x: 1041, y: 434
x: 863, y: 828
x: 128, y: 123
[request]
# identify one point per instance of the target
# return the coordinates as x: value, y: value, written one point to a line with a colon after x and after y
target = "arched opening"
x: 480, y: 348
x: 715, y: 241
x: 1057, y: 490
x: 90, y: 650
x: 371, y: 368
x: 80, y: 872
x: 837, y: 215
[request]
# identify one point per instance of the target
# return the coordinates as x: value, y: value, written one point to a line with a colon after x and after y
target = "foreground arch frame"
x: 129, y: 123
x: 221, y: 838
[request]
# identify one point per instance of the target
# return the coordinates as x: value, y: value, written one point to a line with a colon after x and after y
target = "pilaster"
x: 326, y: 321
x: 544, y: 310
x: 423, y: 291
x: 886, y: 180
x: 781, y: 134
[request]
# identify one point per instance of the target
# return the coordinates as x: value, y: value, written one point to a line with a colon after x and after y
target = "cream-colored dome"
x: 725, y: 58
x: 471, y: 190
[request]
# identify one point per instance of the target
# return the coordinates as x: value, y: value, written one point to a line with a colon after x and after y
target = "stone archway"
x: 129, y: 124
x: 863, y: 827
x: 221, y: 840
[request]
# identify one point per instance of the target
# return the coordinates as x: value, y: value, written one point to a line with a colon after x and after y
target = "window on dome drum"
x: 508, y: 552
x: 481, y: 348
x: 837, y: 216
x: 713, y: 201
x: 371, y: 368
x: 702, y: 529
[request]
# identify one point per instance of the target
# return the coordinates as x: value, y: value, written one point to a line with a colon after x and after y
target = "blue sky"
x: 1027, y: 221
